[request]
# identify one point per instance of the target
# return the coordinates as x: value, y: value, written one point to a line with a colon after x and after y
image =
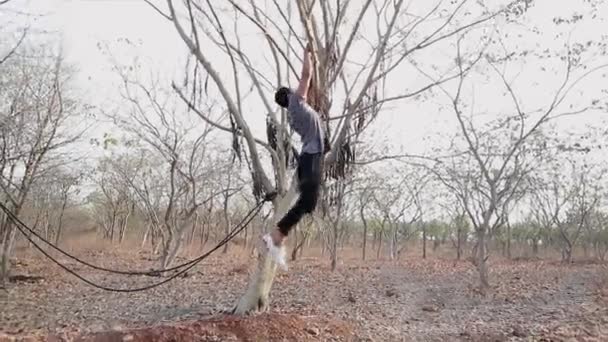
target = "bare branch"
x: 232, y: 108
x: 211, y: 122
x: 16, y: 47
x: 163, y: 14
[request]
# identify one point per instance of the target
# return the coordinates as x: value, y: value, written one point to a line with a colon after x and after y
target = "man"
x: 307, y: 123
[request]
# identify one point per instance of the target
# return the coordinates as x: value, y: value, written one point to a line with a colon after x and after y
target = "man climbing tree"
x: 306, y: 122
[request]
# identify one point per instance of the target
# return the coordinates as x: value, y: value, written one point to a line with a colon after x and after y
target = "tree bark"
x: 226, y: 223
x: 299, y: 244
x: 481, y: 260
x: 423, y: 241
x: 459, y: 244
x: 8, y: 239
x: 256, y: 296
x: 508, y: 241
x: 334, y: 247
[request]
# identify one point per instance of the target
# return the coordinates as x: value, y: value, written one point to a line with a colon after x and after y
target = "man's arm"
x: 302, y: 90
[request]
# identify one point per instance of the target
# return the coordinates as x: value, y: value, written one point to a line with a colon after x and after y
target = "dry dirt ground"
x: 407, y: 300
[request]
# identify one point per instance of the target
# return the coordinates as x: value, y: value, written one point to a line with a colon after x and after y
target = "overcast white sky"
x: 83, y: 24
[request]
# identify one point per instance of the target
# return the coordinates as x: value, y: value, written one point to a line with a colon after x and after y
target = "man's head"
x: 281, y: 97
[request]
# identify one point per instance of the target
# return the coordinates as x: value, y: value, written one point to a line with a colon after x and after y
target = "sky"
x: 84, y: 25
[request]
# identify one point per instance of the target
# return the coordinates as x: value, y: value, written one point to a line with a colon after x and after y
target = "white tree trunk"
x: 6, y: 247
x: 256, y: 297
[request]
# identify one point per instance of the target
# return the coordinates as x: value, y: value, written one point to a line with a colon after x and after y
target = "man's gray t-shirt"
x: 307, y: 123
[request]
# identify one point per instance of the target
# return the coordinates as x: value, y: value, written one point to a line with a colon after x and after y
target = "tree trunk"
x: 124, y: 224
x: 585, y: 250
x: 114, y: 218
x: 145, y: 238
x: 374, y: 239
x: 508, y: 241
x: 256, y: 296
x: 567, y: 253
x: 226, y: 218
x: 380, y: 236
x: 535, y: 243
x: 7, y: 238
x: 6, y: 243
x: 393, y: 244
x: 299, y: 245
x: 364, y: 240
x: 424, y: 241
x: 60, y: 222
x: 167, y: 236
x: 481, y: 260
x: 436, y: 244
x: 195, y: 224
x: 334, y: 247
x: 177, y: 244
x: 458, y: 245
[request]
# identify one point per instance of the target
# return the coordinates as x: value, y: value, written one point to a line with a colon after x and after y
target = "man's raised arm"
x: 302, y: 90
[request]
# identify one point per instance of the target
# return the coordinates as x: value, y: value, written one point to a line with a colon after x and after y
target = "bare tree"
x: 365, y: 195
x: 36, y: 108
x: 398, y: 202
x: 182, y: 158
x: 502, y: 153
x: 458, y: 222
x: 51, y: 194
x: 114, y: 201
x: 598, y: 234
x: 336, y: 208
x: 566, y: 202
x: 334, y: 40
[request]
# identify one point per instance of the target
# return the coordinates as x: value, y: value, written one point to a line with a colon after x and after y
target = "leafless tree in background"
x: 36, y: 109
x: 51, y: 195
x: 180, y: 172
x: 565, y: 203
x: 502, y: 153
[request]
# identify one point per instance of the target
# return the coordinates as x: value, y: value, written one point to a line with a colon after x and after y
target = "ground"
x: 377, y: 300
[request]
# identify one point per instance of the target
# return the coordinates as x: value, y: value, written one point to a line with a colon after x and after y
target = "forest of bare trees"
x: 181, y: 159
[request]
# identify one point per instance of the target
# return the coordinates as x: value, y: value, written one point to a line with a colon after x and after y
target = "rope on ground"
x: 234, y: 232
x: 151, y: 272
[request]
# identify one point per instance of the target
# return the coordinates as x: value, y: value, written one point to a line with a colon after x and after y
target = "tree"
x: 500, y: 154
x: 36, y: 112
x: 365, y: 195
x: 114, y: 201
x: 180, y: 173
x: 51, y: 195
x: 597, y: 234
x: 334, y: 40
x: 398, y: 202
x: 462, y: 228
x: 566, y: 202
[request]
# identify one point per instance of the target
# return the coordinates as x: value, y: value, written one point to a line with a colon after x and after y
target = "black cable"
x: 17, y: 221
x: 228, y: 237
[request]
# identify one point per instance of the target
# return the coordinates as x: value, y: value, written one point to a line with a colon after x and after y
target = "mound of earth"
x: 263, y: 327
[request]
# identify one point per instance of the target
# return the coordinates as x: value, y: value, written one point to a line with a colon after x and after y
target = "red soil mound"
x: 263, y: 327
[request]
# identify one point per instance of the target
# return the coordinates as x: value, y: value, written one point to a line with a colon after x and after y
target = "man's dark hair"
x: 281, y: 97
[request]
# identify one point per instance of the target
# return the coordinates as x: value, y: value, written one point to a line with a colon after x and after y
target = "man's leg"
x: 309, y: 181
x: 304, y: 205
